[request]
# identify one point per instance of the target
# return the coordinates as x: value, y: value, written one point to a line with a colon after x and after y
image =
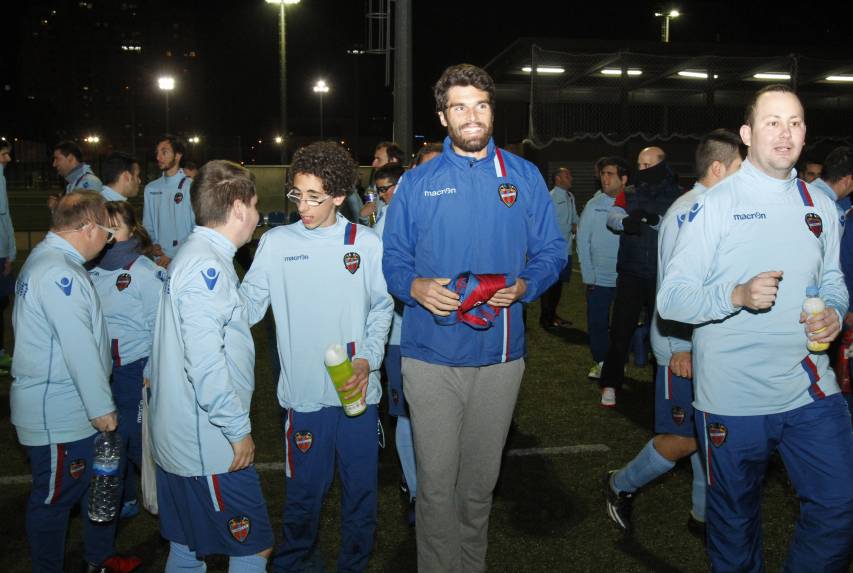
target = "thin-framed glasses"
x: 296, y: 195
x: 110, y: 231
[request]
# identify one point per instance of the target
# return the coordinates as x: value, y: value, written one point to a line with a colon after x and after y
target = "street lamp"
x: 321, y: 87
x: 167, y: 84
x: 194, y: 139
x: 664, y: 29
x: 279, y: 140
x: 282, y: 65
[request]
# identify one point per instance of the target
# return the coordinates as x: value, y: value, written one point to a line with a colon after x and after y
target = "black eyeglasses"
x: 384, y: 188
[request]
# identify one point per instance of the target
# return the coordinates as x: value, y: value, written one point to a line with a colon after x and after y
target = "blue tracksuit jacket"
x: 203, y: 360
x: 62, y: 360
x: 457, y: 214
x: 754, y: 363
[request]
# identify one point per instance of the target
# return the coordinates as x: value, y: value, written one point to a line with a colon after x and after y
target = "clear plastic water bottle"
x: 104, y: 491
x: 812, y: 306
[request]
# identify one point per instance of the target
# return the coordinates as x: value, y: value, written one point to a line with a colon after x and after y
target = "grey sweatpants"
x: 460, y: 419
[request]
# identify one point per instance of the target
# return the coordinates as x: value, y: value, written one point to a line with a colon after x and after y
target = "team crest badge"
x: 77, y: 468
x: 179, y: 198
x: 239, y: 527
x: 123, y: 281
x: 210, y: 277
x: 717, y: 434
x: 678, y: 415
x: 352, y: 261
x: 508, y: 194
x: 815, y: 224
x: 304, y: 440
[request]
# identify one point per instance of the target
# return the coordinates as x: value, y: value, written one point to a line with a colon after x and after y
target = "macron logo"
x: 749, y: 216
x: 440, y: 192
x: 296, y: 258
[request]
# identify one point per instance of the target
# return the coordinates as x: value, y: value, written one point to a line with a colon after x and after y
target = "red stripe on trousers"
x: 218, y: 493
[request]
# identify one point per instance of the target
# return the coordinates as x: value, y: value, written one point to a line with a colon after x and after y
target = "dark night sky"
x: 446, y: 32
x: 239, y: 47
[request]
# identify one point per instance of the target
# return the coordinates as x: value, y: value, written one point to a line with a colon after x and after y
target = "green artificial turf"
x: 548, y: 513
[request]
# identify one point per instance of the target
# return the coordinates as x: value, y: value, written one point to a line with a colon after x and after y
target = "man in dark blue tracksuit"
x: 474, y: 209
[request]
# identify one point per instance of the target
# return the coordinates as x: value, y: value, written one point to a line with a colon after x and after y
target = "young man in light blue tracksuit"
x: 323, y: 278
x: 167, y: 212
x: 598, y: 247
x: 717, y: 156
x: 480, y: 210
x: 742, y: 262
x: 61, y: 396
x: 202, y: 381
x: 121, y: 176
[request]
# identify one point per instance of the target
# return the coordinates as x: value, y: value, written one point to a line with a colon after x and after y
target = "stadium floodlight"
x: 544, y: 69
x: 772, y: 76
x: 618, y: 72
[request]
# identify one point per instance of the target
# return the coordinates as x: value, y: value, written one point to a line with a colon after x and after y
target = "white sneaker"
x: 595, y: 371
x: 608, y: 397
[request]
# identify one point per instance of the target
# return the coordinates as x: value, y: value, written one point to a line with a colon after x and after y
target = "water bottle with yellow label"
x: 340, y: 370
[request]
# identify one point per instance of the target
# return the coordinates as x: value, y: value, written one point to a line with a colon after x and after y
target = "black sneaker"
x: 618, y: 504
x: 697, y: 529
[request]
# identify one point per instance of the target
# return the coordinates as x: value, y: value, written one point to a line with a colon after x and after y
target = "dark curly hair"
x: 462, y: 75
x: 329, y: 162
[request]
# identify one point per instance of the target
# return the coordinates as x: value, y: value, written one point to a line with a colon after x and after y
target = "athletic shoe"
x: 618, y: 504
x: 5, y: 362
x: 608, y: 397
x: 129, y: 510
x: 115, y: 564
x: 697, y: 528
x: 595, y: 371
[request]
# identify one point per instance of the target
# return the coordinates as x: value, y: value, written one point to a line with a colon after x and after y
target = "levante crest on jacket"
x: 508, y: 194
x: 123, y: 281
x: 352, y: 261
x: 179, y: 198
x: 814, y: 223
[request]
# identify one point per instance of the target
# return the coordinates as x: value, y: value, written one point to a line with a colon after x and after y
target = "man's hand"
x: 244, y: 453
x: 164, y: 261
x: 681, y: 364
x: 432, y: 295
x: 507, y: 296
x: 7, y: 268
x: 368, y: 210
x: 106, y: 423
x: 357, y: 384
x: 822, y: 327
x: 759, y: 292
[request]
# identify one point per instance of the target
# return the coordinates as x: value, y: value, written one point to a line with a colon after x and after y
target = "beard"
x: 470, y: 144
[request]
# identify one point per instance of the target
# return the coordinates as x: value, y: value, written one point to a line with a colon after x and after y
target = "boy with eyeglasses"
x: 323, y: 277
